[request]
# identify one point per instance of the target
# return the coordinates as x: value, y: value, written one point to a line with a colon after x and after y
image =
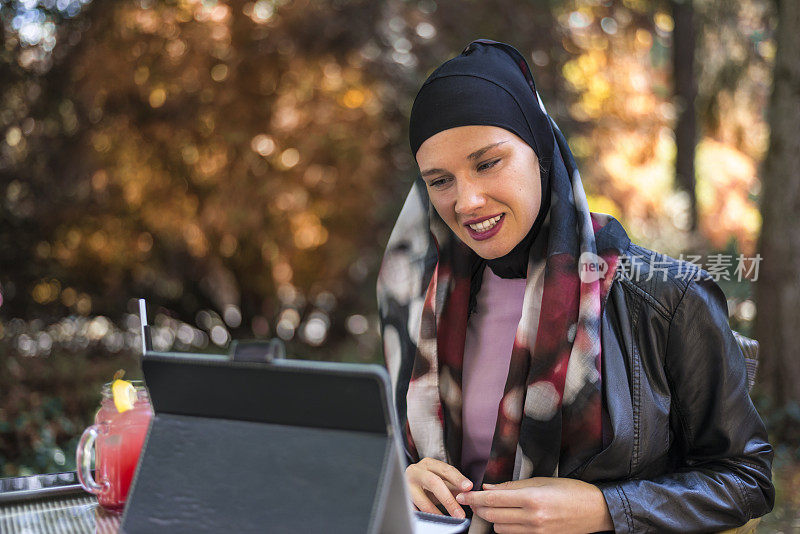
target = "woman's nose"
x: 470, y: 198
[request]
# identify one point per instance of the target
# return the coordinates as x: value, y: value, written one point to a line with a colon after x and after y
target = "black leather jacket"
x: 689, y: 452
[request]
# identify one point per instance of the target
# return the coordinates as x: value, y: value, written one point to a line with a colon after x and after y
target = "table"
x: 56, y: 503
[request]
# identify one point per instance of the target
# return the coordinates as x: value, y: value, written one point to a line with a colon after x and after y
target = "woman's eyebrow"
x: 475, y: 155
x: 481, y: 151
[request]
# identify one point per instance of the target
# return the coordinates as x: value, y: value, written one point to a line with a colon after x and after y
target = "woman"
x: 549, y: 374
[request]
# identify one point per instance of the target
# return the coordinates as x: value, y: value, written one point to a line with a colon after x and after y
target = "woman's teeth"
x: 485, y: 225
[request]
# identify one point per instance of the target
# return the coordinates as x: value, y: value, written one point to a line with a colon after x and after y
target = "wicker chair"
x: 750, y: 350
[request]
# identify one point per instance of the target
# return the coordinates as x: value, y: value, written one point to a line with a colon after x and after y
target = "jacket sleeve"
x: 725, y: 476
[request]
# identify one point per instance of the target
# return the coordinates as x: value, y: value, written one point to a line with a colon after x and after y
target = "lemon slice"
x: 124, y: 395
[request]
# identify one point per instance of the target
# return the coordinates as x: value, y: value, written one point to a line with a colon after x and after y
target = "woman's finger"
x: 436, y: 485
x: 494, y: 498
x: 501, y: 515
x: 455, y: 490
x: 422, y: 502
x: 511, y: 528
x: 451, y: 475
x: 416, y: 473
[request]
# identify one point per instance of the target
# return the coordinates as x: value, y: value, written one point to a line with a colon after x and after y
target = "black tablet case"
x: 286, y: 446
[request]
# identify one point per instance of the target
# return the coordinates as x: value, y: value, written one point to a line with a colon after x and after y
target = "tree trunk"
x: 685, y: 88
x: 778, y: 286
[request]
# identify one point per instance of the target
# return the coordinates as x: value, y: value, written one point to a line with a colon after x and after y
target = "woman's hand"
x: 541, y: 504
x: 435, y: 479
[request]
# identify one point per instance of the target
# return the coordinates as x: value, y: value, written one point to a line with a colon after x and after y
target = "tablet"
x: 284, y: 446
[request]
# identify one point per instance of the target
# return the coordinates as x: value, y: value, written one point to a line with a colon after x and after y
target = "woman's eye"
x: 439, y: 182
x: 487, y: 165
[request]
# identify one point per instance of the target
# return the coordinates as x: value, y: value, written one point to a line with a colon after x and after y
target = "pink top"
x: 487, y: 354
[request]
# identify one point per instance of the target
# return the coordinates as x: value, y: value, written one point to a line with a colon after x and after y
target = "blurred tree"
x: 778, y: 288
x: 27, y: 42
x: 193, y: 143
x: 735, y: 52
x: 685, y: 89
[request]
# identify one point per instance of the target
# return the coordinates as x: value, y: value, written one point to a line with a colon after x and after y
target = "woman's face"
x: 484, y: 183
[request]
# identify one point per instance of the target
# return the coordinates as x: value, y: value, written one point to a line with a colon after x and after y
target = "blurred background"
x: 240, y: 164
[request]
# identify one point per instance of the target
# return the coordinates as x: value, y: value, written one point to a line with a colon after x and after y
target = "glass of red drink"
x: 117, y: 438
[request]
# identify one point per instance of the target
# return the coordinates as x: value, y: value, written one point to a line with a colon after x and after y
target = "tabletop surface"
x: 60, y: 514
x: 55, y: 503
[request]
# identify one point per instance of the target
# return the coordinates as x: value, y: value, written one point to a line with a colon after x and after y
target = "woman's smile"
x: 484, y: 228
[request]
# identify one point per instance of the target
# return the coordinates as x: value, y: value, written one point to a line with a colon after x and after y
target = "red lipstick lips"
x: 486, y: 234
